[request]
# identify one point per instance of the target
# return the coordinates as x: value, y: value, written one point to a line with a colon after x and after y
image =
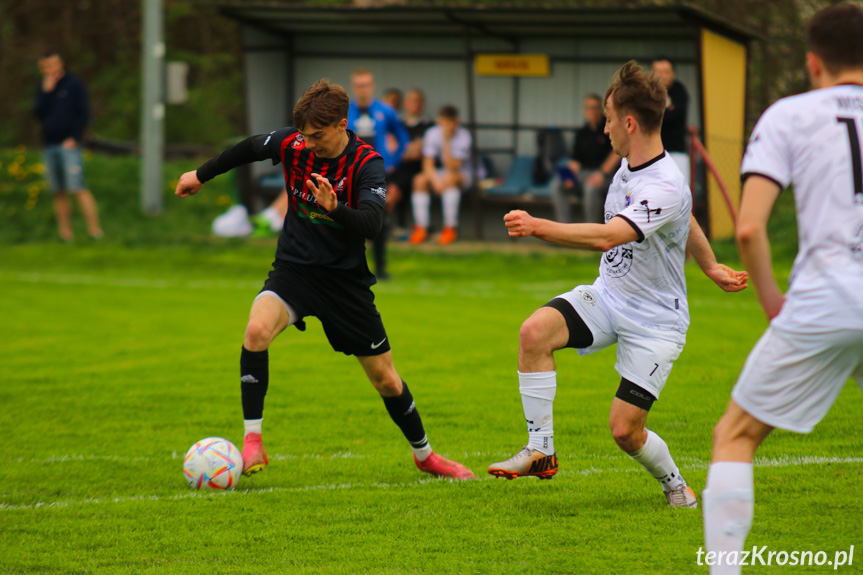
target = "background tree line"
x: 100, y: 41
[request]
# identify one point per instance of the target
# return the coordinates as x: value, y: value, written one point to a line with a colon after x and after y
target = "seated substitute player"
x: 815, y: 339
x: 446, y: 170
x: 337, y: 187
x: 639, y: 299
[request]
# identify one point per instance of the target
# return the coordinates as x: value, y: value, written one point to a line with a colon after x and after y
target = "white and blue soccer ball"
x: 213, y: 463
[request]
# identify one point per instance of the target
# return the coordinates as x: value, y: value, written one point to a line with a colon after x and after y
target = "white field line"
x: 690, y: 464
x: 203, y: 494
x: 174, y: 455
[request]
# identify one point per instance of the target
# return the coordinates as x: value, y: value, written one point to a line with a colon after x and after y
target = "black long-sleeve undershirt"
x: 366, y: 221
x: 237, y: 155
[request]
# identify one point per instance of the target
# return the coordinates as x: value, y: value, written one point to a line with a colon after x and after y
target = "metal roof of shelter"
x: 502, y: 20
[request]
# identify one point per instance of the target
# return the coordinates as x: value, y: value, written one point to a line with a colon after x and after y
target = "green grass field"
x: 117, y: 359
x: 118, y: 355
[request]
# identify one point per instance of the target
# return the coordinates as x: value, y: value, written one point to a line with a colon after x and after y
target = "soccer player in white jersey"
x: 639, y: 299
x: 815, y: 338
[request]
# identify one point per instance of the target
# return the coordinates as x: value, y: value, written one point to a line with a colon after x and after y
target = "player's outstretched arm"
x: 726, y: 278
x: 189, y: 185
x: 595, y: 237
x: 759, y: 195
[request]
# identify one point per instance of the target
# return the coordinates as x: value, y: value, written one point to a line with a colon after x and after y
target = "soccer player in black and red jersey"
x: 337, y: 191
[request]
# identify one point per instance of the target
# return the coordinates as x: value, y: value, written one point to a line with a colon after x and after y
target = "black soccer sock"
x: 254, y: 380
x: 404, y: 412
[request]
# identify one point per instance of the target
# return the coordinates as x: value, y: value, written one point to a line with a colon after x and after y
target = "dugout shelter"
x: 510, y: 69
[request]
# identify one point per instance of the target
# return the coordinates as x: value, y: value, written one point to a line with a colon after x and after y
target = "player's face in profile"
x: 615, y: 127
x: 663, y: 69
x: 327, y: 141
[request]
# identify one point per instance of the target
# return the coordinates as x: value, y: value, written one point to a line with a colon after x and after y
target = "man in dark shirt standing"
x: 401, y: 179
x: 675, y: 118
x: 591, y: 167
x: 336, y: 196
x: 62, y: 107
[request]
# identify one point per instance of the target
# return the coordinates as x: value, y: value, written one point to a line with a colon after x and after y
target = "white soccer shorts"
x: 790, y: 380
x: 644, y: 356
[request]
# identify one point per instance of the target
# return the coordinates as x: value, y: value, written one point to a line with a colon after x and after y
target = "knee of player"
x: 420, y: 184
x: 257, y: 337
x: 451, y: 179
x: 725, y: 432
x: 387, y: 386
x: 626, y: 435
x: 532, y: 336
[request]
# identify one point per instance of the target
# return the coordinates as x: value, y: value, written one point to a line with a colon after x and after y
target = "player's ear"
x: 343, y: 124
x: 815, y: 67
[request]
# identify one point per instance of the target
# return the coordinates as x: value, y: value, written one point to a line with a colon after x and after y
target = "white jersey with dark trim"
x: 646, y: 277
x: 813, y: 142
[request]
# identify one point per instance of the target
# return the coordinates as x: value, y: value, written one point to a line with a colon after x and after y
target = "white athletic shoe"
x: 682, y: 496
x: 525, y: 463
x: 233, y: 224
x: 274, y: 218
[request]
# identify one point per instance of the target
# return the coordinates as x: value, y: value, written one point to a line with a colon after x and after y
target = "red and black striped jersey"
x: 310, y: 235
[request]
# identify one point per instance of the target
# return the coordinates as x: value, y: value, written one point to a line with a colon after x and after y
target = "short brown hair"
x: 361, y: 72
x: 448, y: 111
x: 324, y: 104
x: 634, y: 91
x: 835, y: 35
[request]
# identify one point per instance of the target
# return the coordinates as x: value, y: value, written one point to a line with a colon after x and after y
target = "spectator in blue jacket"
x: 63, y: 108
x: 373, y: 122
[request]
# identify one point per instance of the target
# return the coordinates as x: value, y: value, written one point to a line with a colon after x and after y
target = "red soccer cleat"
x: 443, y: 467
x: 254, y: 454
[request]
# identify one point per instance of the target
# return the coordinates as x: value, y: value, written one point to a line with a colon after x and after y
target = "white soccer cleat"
x: 525, y: 463
x: 682, y: 496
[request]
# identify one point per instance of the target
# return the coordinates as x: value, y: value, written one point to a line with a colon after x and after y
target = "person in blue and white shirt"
x: 815, y: 339
x: 638, y: 301
x: 446, y: 172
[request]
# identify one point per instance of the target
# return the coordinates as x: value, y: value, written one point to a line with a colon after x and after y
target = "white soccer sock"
x: 423, y: 452
x: 421, y: 202
x: 450, y: 199
x: 656, y: 460
x: 537, y: 398
x: 253, y: 425
x: 728, y: 503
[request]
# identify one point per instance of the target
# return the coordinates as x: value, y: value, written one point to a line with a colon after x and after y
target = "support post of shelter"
x: 471, y: 122
x: 153, y: 107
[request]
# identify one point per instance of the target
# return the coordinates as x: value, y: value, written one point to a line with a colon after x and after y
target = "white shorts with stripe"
x: 644, y: 356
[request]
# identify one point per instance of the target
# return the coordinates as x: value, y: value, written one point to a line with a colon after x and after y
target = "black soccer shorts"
x: 341, y: 299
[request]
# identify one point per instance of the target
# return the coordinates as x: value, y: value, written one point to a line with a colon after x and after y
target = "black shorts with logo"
x: 341, y: 299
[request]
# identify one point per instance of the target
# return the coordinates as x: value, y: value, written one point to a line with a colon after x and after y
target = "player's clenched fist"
x: 189, y: 185
x: 519, y: 224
